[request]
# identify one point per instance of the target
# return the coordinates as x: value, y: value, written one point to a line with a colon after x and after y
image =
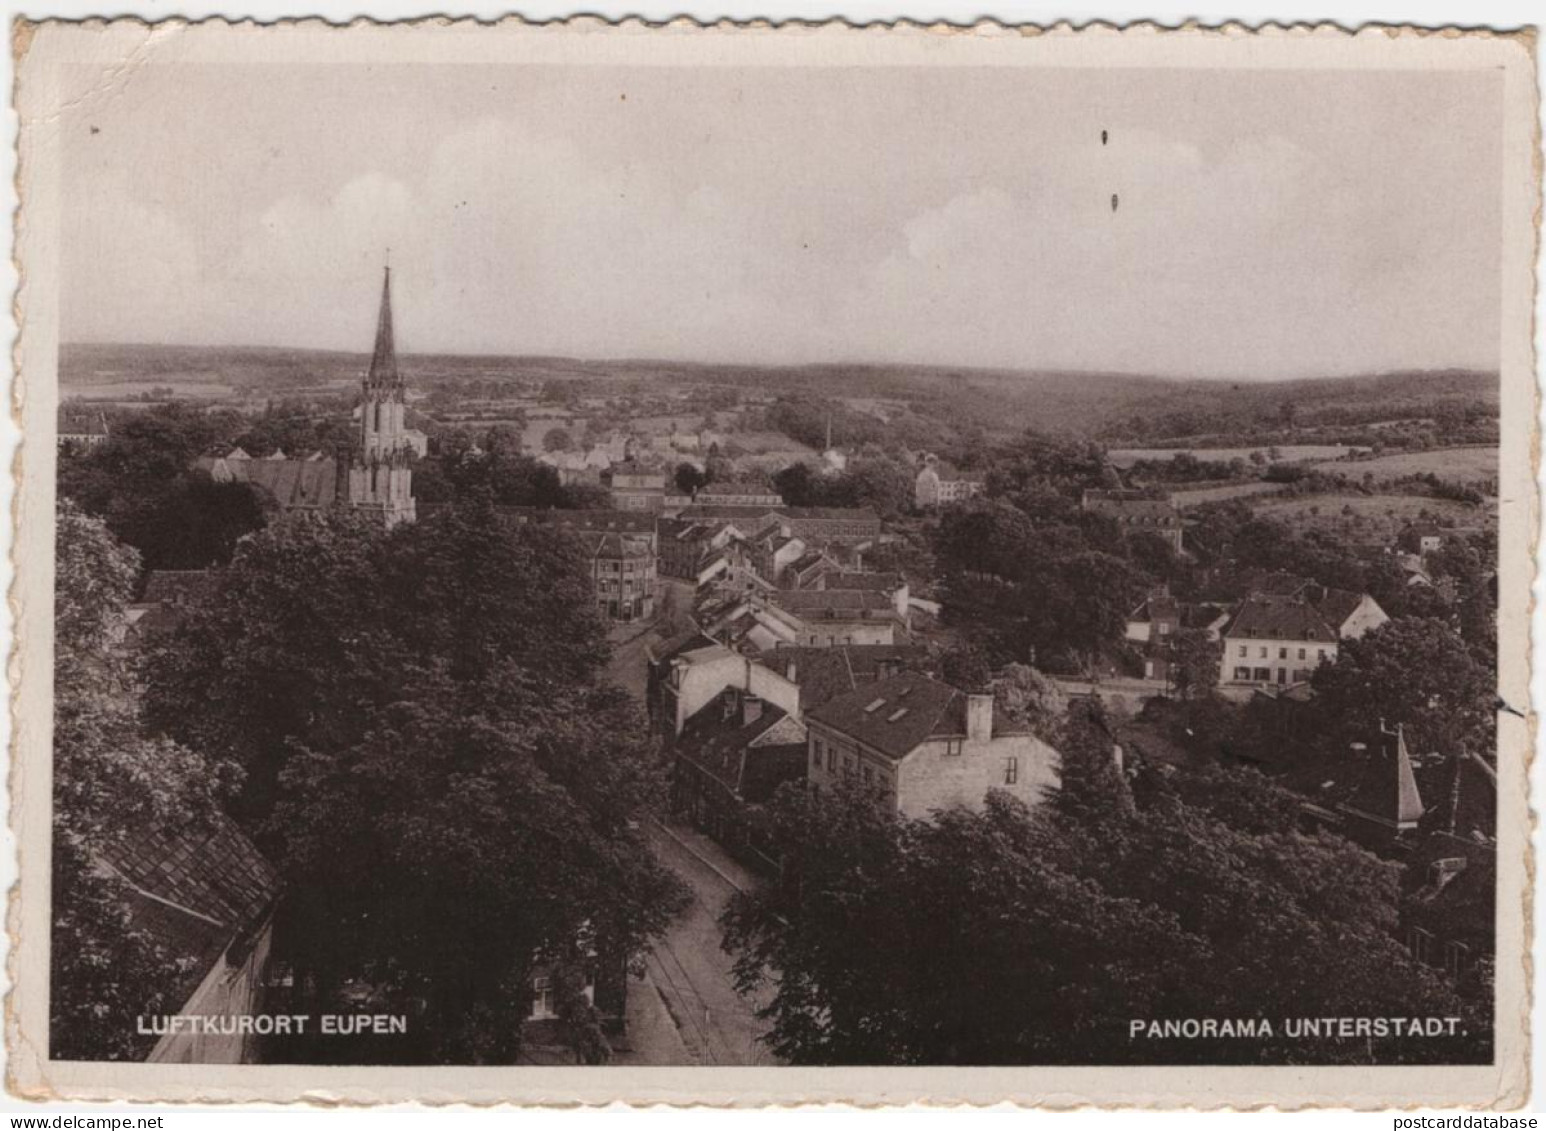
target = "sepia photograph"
x: 676, y: 548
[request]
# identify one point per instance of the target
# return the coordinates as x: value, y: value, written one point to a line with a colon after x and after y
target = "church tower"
x: 379, y: 477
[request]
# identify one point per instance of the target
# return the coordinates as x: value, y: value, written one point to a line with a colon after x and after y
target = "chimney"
x: 751, y: 709
x: 1117, y: 759
x: 979, y: 716
x: 728, y: 705
x: 791, y: 671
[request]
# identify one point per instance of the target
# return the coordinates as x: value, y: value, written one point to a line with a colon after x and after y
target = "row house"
x: 925, y: 745
x: 730, y: 758
x: 738, y: 494
x: 838, y: 616
x: 623, y: 573
x: 635, y: 487
x: 1137, y: 512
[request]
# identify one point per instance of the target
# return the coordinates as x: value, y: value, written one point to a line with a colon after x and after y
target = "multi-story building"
x: 623, y: 571
x: 925, y: 746
x: 635, y: 487
x: 832, y: 617
x: 1275, y: 640
x: 738, y: 494
x: 1137, y: 512
x: 79, y: 429
x: 817, y: 526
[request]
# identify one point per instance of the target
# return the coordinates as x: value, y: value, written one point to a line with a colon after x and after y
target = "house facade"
x: 924, y: 746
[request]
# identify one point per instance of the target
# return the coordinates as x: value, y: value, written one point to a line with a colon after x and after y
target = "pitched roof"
x: 1279, y: 618
x: 612, y: 545
x: 197, y: 890
x: 288, y: 482
x: 1158, y: 607
x: 1339, y: 604
x: 1387, y: 790
x: 727, y: 746
x: 681, y: 644
x: 855, y: 579
x: 383, y: 359
x: 896, y: 715
x: 1276, y: 583
x: 823, y: 674
x: 850, y: 601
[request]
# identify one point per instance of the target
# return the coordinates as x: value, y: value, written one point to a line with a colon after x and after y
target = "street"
x: 687, y: 966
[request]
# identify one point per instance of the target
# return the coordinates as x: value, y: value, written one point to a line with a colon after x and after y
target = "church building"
x: 376, y: 477
x: 379, y: 476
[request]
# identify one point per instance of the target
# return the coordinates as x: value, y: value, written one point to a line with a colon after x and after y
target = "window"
x: 1457, y: 956
x: 832, y: 759
x: 868, y: 773
x: 1420, y: 943
x: 1242, y: 651
x: 1282, y: 653
x: 1242, y: 673
x: 1264, y: 653
x: 542, y: 998
x: 1011, y: 770
x: 953, y: 747
x: 1320, y: 653
x: 816, y: 753
x: 1301, y: 653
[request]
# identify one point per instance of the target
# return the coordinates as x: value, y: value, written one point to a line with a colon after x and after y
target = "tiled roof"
x: 196, y: 891
x: 1279, y: 618
x: 896, y: 715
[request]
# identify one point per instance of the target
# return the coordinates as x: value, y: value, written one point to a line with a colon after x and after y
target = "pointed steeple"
x: 383, y: 362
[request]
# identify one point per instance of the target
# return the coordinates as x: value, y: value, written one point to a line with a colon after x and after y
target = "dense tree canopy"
x: 142, y: 483
x: 1017, y: 936
x: 111, y: 783
x: 448, y: 786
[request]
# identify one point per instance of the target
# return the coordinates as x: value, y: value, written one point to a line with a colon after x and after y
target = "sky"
x: 1268, y: 224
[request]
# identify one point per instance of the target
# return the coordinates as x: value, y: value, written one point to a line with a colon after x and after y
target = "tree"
x: 689, y: 478
x: 1026, y: 699
x: 556, y: 440
x: 1414, y: 671
x: 1048, y: 930
x: 111, y: 783
x: 448, y: 787
x: 1194, y: 660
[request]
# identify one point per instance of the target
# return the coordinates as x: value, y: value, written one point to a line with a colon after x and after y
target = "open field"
x: 1465, y: 465
x: 1196, y: 498
x: 1126, y: 457
x: 1371, y: 518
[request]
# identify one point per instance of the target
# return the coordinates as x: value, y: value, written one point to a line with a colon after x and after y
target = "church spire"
x: 383, y: 362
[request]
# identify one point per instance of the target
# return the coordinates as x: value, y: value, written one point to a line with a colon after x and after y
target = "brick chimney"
x: 979, y: 716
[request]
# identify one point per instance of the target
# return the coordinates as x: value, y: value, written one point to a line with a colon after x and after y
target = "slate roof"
x: 851, y: 602
x: 1387, y: 789
x: 1279, y: 618
x: 823, y: 674
x: 614, y: 546
x: 1157, y: 608
x: 1276, y: 583
x: 873, y: 582
x: 896, y: 715
x: 724, y: 747
x: 290, y: 483
x: 1339, y: 604
x: 628, y: 522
